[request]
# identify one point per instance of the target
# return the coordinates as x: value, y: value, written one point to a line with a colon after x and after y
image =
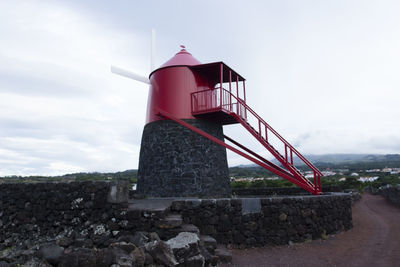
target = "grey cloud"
x: 288, y: 80
x: 388, y: 143
x: 301, y: 139
x: 29, y: 85
x: 46, y: 129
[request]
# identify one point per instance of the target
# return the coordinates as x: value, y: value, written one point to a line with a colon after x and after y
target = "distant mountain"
x: 341, y: 159
x: 349, y: 158
x: 124, y: 175
x: 246, y: 165
x: 349, y: 161
x: 128, y: 174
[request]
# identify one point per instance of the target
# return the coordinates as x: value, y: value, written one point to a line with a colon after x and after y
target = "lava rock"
x: 123, y: 259
x: 283, y: 217
x: 148, y: 259
x: 140, y: 239
x: 80, y: 257
x: 104, y: 257
x: 161, y: 253
x: 184, y: 245
x: 69, y: 260
x: 83, y: 242
x: 154, y: 237
x: 195, y: 261
x: 64, y: 241
x: 35, y: 262
x: 127, y: 247
x: 140, y: 256
x: 208, y: 242
x: 223, y: 254
x: 51, y: 253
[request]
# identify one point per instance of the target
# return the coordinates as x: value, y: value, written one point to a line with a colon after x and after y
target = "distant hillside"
x: 347, y: 161
x: 125, y: 175
x: 130, y: 175
x: 352, y: 161
x: 347, y: 158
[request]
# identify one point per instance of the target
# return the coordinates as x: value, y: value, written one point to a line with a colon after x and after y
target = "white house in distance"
x: 368, y: 179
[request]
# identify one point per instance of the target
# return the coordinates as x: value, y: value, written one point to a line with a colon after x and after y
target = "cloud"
x: 326, y: 142
x: 61, y: 110
x: 323, y: 75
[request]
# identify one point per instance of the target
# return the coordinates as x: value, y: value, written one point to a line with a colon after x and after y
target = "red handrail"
x: 308, y: 163
x: 225, y: 101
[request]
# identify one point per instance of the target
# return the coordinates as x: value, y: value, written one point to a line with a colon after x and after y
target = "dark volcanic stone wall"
x: 79, y: 213
x: 177, y: 162
x: 37, y: 209
x: 391, y: 193
x: 268, y: 221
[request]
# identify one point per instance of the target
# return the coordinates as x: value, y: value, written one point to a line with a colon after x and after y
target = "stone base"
x: 177, y: 162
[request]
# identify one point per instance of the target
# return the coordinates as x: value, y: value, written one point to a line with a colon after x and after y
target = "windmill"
x: 133, y: 75
x: 183, y: 148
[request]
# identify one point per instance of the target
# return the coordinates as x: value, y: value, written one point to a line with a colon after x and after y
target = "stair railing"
x: 214, y: 99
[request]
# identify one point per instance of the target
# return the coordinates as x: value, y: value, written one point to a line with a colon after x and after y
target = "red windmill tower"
x: 183, y: 149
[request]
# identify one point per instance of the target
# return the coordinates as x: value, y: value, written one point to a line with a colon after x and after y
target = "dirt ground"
x: 373, y: 241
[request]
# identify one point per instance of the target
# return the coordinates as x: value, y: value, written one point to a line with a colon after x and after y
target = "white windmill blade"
x: 129, y: 74
x: 153, y: 49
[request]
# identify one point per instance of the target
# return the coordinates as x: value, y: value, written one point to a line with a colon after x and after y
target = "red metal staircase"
x: 225, y: 107
x: 261, y: 131
x: 287, y: 159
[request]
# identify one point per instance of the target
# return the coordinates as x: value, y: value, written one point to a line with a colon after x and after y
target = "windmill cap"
x: 182, y: 58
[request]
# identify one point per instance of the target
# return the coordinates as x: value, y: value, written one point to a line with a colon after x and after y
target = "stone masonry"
x: 391, y: 193
x: 177, y: 162
x: 261, y: 221
x: 82, y: 209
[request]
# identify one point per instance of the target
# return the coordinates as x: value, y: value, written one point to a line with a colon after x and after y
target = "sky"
x: 324, y: 74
